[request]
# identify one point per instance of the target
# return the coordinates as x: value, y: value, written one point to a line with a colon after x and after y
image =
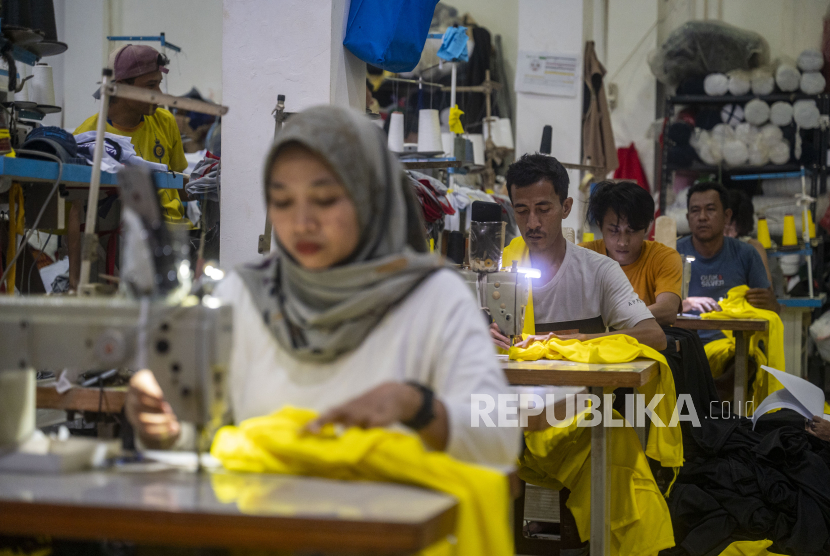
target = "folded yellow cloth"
x: 720, y: 352
x: 749, y: 548
x: 665, y: 444
x: 559, y: 456
x: 274, y: 444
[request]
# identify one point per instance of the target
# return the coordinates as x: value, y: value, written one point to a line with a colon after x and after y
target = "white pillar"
x: 272, y: 47
x: 552, y: 26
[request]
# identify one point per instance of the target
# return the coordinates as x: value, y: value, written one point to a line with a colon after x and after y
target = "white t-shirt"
x: 435, y: 336
x: 588, y: 285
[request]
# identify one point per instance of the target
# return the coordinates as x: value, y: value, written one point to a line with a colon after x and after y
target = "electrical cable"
x: 29, y: 278
x: 42, y: 208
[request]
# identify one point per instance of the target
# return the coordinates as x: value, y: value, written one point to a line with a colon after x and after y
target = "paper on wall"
x: 798, y: 394
x: 548, y: 73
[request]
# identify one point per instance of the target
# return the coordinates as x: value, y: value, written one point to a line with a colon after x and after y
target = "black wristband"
x: 425, y: 413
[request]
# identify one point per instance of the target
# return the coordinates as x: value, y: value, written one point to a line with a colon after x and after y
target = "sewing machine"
x: 503, y: 295
x: 160, y: 321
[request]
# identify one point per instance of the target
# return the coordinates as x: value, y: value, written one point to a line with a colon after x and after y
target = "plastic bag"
x: 704, y: 47
x: 389, y: 34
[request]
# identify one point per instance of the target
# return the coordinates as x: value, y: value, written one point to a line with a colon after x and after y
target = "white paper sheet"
x: 798, y: 394
x: 49, y: 273
x: 548, y: 73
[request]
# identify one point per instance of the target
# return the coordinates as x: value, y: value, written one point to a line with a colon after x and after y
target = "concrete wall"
x: 271, y: 47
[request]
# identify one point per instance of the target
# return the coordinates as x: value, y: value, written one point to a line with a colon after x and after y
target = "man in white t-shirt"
x: 580, y: 293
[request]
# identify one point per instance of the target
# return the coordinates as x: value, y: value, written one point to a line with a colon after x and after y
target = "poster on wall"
x: 548, y: 73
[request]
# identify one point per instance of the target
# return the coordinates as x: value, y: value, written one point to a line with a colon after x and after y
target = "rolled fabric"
x: 806, y: 114
x: 732, y: 114
x: 758, y: 153
x: 735, y: 152
x: 779, y: 153
x: 716, y: 84
x: 746, y: 133
x: 740, y: 82
x: 812, y: 82
x: 762, y: 82
x: 756, y: 112
x: 787, y: 78
x: 810, y: 60
x: 771, y: 134
x: 781, y: 113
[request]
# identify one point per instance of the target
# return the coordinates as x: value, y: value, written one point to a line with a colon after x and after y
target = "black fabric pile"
x: 739, y: 484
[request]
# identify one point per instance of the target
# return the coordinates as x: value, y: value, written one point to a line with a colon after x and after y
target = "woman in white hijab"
x: 352, y: 317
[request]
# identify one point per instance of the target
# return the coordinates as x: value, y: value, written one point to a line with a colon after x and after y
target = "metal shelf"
x: 730, y: 99
x: 30, y: 170
x: 430, y: 163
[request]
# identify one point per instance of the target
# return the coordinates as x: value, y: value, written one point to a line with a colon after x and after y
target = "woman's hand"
x: 498, y: 337
x: 384, y: 405
x: 148, y: 412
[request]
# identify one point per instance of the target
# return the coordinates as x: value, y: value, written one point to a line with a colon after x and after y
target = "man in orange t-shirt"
x: 623, y: 211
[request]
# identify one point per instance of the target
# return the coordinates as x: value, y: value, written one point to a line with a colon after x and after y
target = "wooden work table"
x: 275, y: 512
x: 596, y: 376
x: 743, y: 329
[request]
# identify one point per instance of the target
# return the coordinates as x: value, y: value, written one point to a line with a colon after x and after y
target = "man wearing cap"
x: 152, y: 130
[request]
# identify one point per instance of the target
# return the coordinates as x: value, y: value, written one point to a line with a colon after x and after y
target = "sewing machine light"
x: 530, y: 272
x: 214, y: 273
x: 211, y: 302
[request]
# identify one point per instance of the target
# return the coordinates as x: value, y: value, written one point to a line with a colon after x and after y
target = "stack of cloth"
x: 432, y: 195
x: 205, y: 178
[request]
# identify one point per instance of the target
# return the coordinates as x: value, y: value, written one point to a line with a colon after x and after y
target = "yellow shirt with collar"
x: 156, y: 139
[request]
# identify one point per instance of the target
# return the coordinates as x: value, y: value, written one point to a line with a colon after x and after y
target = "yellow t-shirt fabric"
x: 274, y: 444
x: 665, y: 444
x: 558, y: 457
x: 657, y: 270
x: 719, y: 352
x: 749, y: 548
x: 156, y: 139
x: 517, y: 250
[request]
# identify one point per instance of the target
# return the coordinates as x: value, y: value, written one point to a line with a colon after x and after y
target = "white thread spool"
x: 505, y: 133
x: 395, y: 139
x: 43, y: 90
x: 23, y: 95
x: 429, y: 131
x: 448, y: 143
x: 17, y: 406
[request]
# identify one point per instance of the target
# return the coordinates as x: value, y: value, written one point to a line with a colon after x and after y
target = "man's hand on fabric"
x: 762, y: 298
x: 819, y: 427
x: 700, y: 304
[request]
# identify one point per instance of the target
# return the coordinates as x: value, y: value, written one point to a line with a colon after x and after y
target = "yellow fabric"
x: 665, y: 444
x: 517, y: 250
x: 455, y: 120
x: 749, y: 548
x: 735, y: 306
x: 657, y: 270
x: 16, y: 227
x: 719, y: 353
x: 559, y: 456
x: 156, y: 139
x: 273, y: 444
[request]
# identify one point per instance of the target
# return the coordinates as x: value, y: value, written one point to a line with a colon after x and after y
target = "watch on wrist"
x: 425, y: 413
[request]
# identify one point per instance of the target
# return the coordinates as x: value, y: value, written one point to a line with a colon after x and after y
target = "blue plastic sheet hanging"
x: 389, y: 34
x: 454, y: 47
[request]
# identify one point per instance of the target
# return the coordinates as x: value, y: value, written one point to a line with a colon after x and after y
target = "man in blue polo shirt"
x: 721, y: 262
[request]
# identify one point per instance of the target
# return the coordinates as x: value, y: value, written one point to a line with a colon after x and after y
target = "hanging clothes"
x: 16, y: 227
x: 276, y: 444
x: 766, y: 347
x: 559, y: 457
x: 665, y: 443
x: 597, y: 135
x: 630, y: 167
